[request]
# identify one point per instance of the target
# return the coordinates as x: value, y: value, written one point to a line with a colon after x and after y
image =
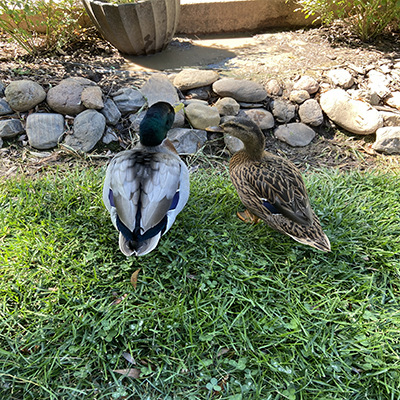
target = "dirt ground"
x: 282, y: 55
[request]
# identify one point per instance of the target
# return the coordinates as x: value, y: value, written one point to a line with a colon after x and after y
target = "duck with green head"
x: 147, y: 187
x: 271, y: 187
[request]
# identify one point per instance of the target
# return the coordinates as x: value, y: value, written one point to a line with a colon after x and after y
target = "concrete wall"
x: 203, y: 17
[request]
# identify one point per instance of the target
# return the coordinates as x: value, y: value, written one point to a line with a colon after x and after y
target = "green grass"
x: 219, y: 305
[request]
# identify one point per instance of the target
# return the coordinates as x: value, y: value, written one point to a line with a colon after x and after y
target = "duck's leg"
x: 248, y: 217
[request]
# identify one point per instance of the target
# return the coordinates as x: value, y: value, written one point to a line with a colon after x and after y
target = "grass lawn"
x: 221, y: 310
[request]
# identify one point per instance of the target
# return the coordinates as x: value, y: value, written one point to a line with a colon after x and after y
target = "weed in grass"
x: 221, y: 310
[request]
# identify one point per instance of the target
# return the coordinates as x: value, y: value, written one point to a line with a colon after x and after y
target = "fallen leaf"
x: 134, y: 278
x: 223, y: 351
x: 131, y: 372
x: 128, y: 357
x: 117, y: 301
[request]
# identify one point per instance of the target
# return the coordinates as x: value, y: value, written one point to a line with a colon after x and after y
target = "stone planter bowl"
x: 142, y: 28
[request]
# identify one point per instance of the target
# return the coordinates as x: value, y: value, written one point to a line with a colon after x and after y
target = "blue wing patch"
x: 270, y: 207
x: 175, y: 201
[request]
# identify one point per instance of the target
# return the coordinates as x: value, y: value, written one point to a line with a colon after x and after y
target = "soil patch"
x: 279, y: 55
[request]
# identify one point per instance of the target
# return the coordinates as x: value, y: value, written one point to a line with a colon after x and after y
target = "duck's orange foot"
x: 248, y: 217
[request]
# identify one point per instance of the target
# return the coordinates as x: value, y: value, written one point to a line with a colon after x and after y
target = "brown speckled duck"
x: 272, y: 188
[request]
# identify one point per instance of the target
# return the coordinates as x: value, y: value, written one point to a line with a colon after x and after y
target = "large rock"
x: 187, y: 141
x: 24, y: 94
x: 353, y: 115
x: 201, y: 116
x: 89, y: 127
x: 307, y: 83
x: 388, y: 140
x: 263, y: 118
x: 10, y: 128
x: 240, y: 90
x: 310, y: 113
x: 194, y: 78
x: 295, y: 134
x: 341, y: 77
x: 92, y: 97
x: 65, y: 98
x: 283, y: 111
x: 128, y: 100
x: 227, y: 106
x: 44, y: 130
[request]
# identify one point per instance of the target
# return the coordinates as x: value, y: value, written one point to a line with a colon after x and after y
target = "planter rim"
x: 106, y: 3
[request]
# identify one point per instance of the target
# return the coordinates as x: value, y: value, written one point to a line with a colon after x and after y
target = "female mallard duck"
x: 147, y: 187
x: 272, y: 188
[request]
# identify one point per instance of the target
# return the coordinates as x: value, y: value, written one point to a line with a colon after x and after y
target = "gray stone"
x: 227, y: 106
x: 109, y: 136
x: 10, y: 128
x: 24, y: 94
x: 111, y: 112
x: 201, y: 116
x: 1, y: 142
x: 310, y: 113
x: 341, y: 77
x: 159, y: 88
x: 233, y: 144
x: 187, y: 141
x: 92, y: 97
x: 129, y: 100
x: 65, y: 98
x: 263, y: 118
x: 299, y: 96
x: 136, y: 119
x: 378, y: 83
x: 295, y: 134
x: 365, y: 95
x: 44, y: 130
x: 282, y: 111
x: 388, y: 140
x: 89, y: 127
x: 201, y: 93
x: 194, y: 78
x: 5, y: 107
x: 240, y: 90
x: 307, y: 83
x: 355, y: 116
x: 2, y: 88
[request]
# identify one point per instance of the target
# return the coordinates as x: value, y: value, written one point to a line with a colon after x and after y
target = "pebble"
x: 307, y: 83
x: 283, y: 111
x: 341, y: 77
x: 299, y: 96
x: 5, y: 107
x: 194, y: 78
x: 111, y: 112
x: 388, y: 140
x: 310, y: 113
x: 10, y: 128
x: 91, y: 97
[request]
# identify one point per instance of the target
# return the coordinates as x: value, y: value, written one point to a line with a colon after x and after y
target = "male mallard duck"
x: 272, y: 188
x: 147, y: 187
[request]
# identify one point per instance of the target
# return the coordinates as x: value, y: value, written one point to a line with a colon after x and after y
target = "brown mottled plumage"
x: 272, y: 188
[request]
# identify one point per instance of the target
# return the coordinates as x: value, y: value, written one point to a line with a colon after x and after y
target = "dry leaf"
x: 117, y: 301
x: 128, y: 357
x: 131, y: 372
x: 223, y: 351
x: 134, y: 278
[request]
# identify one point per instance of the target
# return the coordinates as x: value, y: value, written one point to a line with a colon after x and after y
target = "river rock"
x: 393, y: 100
x: 5, y: 107
x: 2, y: 88
x: 111, y: 112
x: 355, y: 116
x: 295, y: 134
x: 306, y: 83
x: 263, y: 118
x: 88, y: 129
x: 378, y: 83
x: 310, y: 113
x: 201, y: 116
x: 227, y: 106
x: 341, y: 77
x: 128, y: 100
x: 194, y: 78
x: 44, y: 130
x: 283, y: 111
x: 274, y: 88
x: 109, y: 136
x: 388, y: 140
x: 65, y: 98
x: 187, y: 141
x: 299, y: 96
x: 24, y: 94
x: 390, y: 119
x: 92, y: 97
x: 240, y: 90
x: 10, y: 128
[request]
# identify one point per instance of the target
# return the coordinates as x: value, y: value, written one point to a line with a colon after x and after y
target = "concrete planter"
x: 141, y: 28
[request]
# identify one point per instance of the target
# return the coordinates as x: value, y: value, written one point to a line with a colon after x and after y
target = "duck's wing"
x: 273, y: 186
x: 144, y: 191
